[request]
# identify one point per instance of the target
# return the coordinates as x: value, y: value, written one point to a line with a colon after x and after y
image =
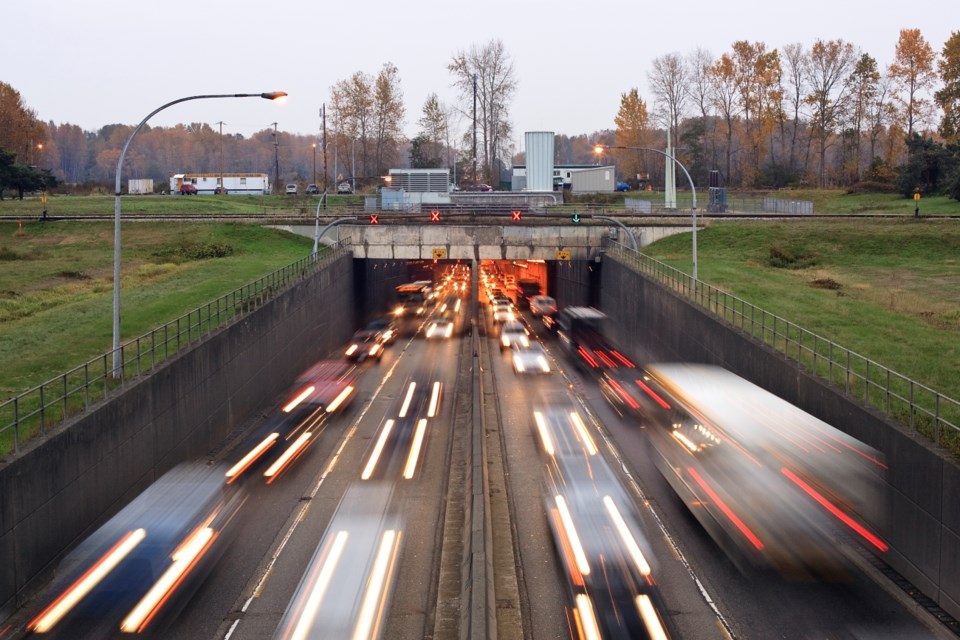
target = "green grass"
x: 887, y: 289
x: 56, y: 284
x: 156, y: 204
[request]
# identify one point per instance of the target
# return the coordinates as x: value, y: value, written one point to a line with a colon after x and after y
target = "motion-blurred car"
x: 365, y: 343
x: 477, y: 187
x: 312, y: 189
x: 187, y: 189
x: 549, y: 320
x: 513, y: 332
x: 439, y: 328
x: 347, y: 585
x: 388, y: 329
x: 503, y: 313
x: 542, y: 304
x: 608, y: 561
x: 530, y: 359
x: 136, y: 572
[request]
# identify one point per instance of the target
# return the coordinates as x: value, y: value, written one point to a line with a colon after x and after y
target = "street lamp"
x: 600, y: 148
x: 277, y: 96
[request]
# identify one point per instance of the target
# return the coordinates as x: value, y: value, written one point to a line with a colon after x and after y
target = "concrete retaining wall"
x: 923, y: 510
x: 54, y: 495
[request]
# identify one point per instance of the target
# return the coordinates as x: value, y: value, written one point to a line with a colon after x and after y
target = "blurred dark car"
x: 312, y: 189
x: 477, y: 187
x: 365, y: 344
x: 388, y: 329
x: 137, y: 571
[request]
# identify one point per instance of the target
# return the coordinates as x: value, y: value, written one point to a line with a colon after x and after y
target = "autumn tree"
x: 633, y: 130
x: 912, y: 71
x: 948, y: 97
x: 20, y: 130
x: 434, y: 136
x: 488, y: 71
x: 723, y: 90
x: 388, y: 115
x: 864, y: 83
x: 829, y: 92
x: 756, y: 80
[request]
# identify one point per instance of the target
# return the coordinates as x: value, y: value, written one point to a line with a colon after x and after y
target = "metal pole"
x: 353, y: 164
x: 116, y: 371
x: 222, y: 186
x: 324, y: 154
x: 693, y: 191
x: 314, y: 163
x: 276, y: 157
x: 474, y: 128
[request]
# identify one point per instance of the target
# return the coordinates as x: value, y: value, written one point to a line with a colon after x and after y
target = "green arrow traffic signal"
x: 575, y: 218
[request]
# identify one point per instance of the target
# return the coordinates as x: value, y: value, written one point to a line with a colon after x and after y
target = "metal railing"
x: 917, y: 406
x: 37, y: 410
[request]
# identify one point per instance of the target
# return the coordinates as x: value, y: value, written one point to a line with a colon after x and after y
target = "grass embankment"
x: 220, y: 205
x: 56, y: 285
x: 825, y: 201
x: 887, y: 289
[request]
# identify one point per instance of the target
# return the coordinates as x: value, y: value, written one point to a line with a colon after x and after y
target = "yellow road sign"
x: 916, y: 196
x: 439, y: 254
x: 563, y: 254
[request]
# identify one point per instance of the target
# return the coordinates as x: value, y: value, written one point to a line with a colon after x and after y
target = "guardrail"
x: 924, y: 410
x: 37, y: 410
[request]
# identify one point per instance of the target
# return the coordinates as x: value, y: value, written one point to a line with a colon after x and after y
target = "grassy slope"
x: 56, y: 285
x: 898, y: 300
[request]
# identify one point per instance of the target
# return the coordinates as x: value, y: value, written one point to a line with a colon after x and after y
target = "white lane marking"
x: 258, y: 589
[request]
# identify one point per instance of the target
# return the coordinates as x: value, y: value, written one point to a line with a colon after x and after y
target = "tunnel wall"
x: 923, y: 512
x: 54, y: 495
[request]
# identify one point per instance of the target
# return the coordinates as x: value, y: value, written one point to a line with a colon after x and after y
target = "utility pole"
x: 474, y: 128
x: 276, y: 158
x: 223, y: 188
x: 323, y: 112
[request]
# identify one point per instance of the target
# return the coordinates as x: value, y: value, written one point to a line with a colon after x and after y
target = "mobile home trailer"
x: 233, y: 183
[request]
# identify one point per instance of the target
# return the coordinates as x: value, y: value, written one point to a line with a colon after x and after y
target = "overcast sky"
x: 98, y: 62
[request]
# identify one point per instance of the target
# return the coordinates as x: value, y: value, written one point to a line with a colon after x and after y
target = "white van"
x: 540, y: 305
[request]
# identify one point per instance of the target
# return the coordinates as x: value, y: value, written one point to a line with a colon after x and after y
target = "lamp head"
x: 276, y: 96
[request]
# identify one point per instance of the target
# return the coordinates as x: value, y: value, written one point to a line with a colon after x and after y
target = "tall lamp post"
x: 279, y: 96
x: 314, y: 163
x: 600, y: 148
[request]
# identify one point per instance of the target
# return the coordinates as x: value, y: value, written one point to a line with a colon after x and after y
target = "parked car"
x: 623, y: 186
x: 344, y: 188
x: 477, y: 187
x: 292, y: 189
x: 312, y: 189
x: 187, y: 189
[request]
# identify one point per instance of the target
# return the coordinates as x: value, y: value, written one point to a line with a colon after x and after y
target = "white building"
x: 578, y: 178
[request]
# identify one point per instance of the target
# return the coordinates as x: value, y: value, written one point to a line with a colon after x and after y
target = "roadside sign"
x: 563, y: 254
x: 439, y: 254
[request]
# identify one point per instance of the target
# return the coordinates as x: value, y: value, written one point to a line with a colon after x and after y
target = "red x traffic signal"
x: 434, y: 216
x: 515, y: 216
x: 374, y: 218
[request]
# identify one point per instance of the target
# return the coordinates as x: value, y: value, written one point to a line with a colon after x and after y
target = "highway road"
x: 414, y: 446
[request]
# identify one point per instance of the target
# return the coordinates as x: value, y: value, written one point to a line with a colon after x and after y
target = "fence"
x: 922, y: 409
x: 37, y: 410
